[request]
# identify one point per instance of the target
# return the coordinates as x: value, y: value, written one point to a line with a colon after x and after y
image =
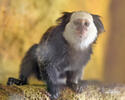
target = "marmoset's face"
x: 81, y: 31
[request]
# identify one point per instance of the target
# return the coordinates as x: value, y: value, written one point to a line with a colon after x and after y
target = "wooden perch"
x: 93, y: 90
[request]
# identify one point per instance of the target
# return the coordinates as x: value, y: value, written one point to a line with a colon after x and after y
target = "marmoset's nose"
x: 81, y: 25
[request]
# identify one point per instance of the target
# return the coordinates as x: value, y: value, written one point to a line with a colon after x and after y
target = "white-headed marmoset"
x: 60, y: 57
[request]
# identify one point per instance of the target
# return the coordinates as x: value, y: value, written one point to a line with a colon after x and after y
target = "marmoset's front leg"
x: 52, y: 80
x: 74, y: 80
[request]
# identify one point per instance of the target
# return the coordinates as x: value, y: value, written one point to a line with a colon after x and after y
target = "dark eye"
x: 86, y: 23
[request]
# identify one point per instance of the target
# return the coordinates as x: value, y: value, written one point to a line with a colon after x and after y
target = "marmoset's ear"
x: 65, y: 18
x: 98, y: 23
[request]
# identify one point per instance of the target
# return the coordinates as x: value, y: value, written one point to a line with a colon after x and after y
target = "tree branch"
x: 93, y: 90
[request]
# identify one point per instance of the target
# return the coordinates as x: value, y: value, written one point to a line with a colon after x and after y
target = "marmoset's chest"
x: 79, y: 59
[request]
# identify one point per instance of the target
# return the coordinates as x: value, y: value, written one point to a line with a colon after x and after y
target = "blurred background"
x: 23, y: 22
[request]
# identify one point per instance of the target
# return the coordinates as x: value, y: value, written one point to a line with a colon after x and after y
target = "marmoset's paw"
x: 12, y: 81
x: 54, y: 92
x: 78, y: 88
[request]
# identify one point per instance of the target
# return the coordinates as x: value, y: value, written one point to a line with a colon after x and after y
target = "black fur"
x: 52, y: 59
x: 64, y: 19
x: 98, y: 23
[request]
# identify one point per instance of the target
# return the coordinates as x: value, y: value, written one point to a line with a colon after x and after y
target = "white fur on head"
x: 77, y: 42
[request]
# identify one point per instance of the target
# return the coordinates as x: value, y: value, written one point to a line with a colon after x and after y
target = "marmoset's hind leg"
x: 28, y: 66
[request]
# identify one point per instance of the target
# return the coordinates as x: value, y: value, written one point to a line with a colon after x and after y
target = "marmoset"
x: 61, y: 55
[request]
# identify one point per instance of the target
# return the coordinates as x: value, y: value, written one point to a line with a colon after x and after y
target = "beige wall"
x: 115, y: 54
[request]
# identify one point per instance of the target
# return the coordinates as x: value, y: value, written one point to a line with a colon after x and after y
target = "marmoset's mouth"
x: 81, y: 31
x: 82, y: 34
